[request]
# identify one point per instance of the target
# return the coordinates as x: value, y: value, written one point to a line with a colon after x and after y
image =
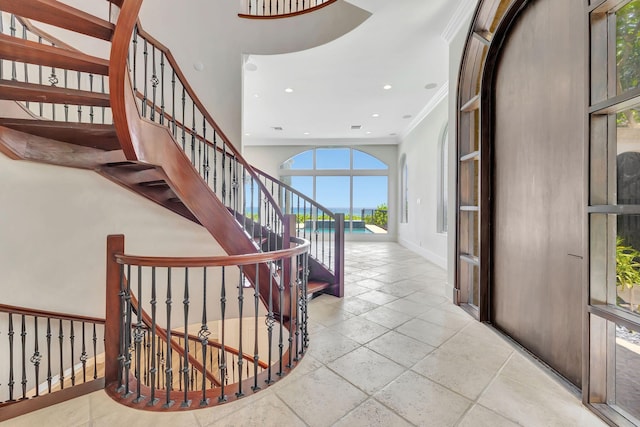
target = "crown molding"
x: 464, y: 11
x: 438, y: 97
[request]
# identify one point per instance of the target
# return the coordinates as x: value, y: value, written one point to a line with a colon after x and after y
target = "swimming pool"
x: 327, y: 227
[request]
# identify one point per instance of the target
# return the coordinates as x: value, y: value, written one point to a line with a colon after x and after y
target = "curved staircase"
x: 134, y: 119
x: 161, y: 143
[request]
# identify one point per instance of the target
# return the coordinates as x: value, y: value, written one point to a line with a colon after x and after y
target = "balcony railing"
x: 281, y: 8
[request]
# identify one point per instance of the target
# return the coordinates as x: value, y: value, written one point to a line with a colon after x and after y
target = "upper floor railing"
x: 266, y: 9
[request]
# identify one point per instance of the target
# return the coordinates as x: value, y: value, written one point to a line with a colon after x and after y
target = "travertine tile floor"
x: 393, y: 352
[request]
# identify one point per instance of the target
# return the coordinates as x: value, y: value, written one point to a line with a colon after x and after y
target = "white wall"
x: 53, y: 227
x: 421, y: 148
x: 269, y: 159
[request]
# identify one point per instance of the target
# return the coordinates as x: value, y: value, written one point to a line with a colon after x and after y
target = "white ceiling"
x: 340, y: 84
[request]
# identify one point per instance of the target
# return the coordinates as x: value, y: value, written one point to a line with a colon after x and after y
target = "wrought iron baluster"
x: 154, y: 83
x: 83, y: 355
x: 11, y: 333
x: 128, y: 321
x: 23, y: 336
x: 145, y: 57
x: 206, y: 150
x: 49, y: 374
x: 40, y: 104
x: 66, y: 86
x: 256, y: 307
x: 203, y: 335
x: 154, y: 367
x: 137, y: 338
x: 293, y: 271
x: 135, y: 59
x: 173, y: 103
x: 12, y: 28
x: 305, y: 281
x: 215, y: 162
x: 60, y: 344
x: 103, y: 107
x: 224, y: 183
x: 299, y: 300
x: 78, y: 81
x: 91, y: 90
x: 162, y: 112
x: 193, y: 136
x: 185, y: 370
x: 169, y: 360
x: 222, y: 364
x: 184, y: 104
x: 240, y: 393
x: 72, y: 338
x: 95, y: 353
x: 270, y: 321
x: 281, y: 331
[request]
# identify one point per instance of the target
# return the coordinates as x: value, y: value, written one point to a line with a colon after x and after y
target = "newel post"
x: 338, y: 289
x: 115, y: 246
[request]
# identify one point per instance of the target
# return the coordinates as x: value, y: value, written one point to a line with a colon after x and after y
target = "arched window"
x: 404, y: 190
x: 344, y: 180
x: 443, y: 148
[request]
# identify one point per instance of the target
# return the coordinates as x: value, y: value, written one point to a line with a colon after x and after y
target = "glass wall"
x: 614, y: 314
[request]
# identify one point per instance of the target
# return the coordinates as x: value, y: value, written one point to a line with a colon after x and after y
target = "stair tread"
x: 130, y: 166
x: 21, y: 91
x: 15, y: 49
x: 60, y: 15
x: 314, y: 286
x: 154, y: 183
x: 85, y: 134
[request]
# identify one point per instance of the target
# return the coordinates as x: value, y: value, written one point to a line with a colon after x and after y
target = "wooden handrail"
x: 50, y: 314
x: 289, y: 14
x: 218, y: 261
x: 118, y: 74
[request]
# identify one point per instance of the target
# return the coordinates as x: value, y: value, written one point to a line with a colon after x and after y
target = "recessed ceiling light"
x: 356, y: 127
x: 288, y: 90
x: 306, y: 133
x: 387, y: 87
x: 247, y: 134
x: 256, y: 95
x: 250, y: 66
x: 368, y: 132
x: 407, y: 116
x: 375, y: 115
x: 431, y: 86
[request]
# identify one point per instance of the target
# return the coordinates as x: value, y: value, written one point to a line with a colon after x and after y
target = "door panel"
x: 538, y: 185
